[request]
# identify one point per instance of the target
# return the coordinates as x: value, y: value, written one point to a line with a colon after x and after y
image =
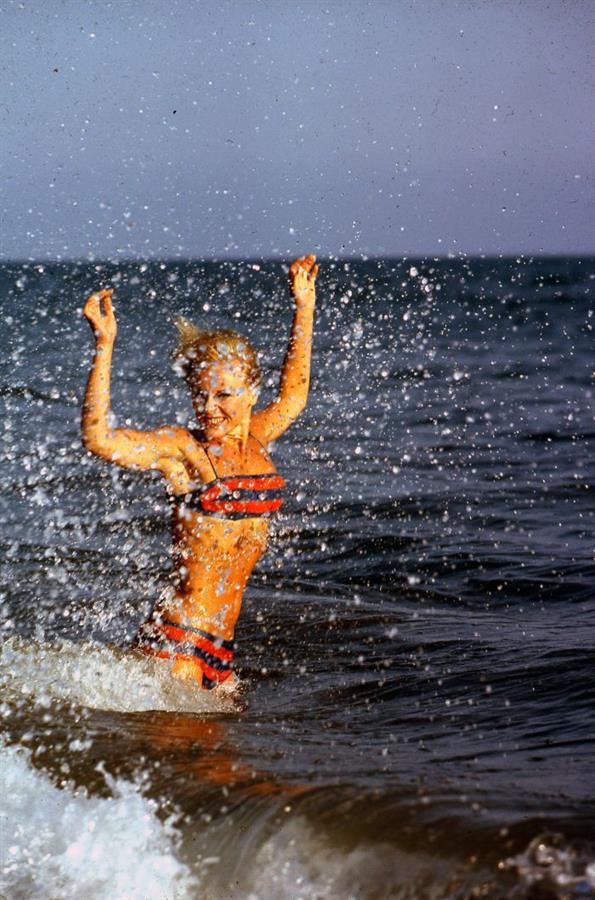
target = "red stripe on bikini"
x: 212, y: 674
x: 254, y: 482
x: 246, y: 483
x: 182, y: 636
x: 248, y: 506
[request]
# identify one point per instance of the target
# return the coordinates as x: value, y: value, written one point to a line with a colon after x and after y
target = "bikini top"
x: 235, y: 496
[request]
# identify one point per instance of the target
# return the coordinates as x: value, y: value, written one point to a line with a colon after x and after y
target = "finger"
x: 309, y: 261
x: 96, y: 296
x: 107, y: 303
x: 313, y: 273
x: 91, y: 305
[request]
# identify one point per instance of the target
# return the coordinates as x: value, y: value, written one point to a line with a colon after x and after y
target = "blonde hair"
x: 198, y: 348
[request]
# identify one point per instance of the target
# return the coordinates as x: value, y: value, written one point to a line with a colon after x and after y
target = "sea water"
x: 416, y: 710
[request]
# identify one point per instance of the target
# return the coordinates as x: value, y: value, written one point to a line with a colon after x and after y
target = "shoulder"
x: 186, y: 444
x: 270, y: 423
x: 260, y: 425
x: 170, y: 439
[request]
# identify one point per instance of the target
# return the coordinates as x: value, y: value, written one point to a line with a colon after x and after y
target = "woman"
x: 221, y: 479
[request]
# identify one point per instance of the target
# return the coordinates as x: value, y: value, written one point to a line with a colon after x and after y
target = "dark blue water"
x: 416, y: 648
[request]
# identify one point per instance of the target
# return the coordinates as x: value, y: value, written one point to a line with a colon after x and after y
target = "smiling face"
x: 222, y: 399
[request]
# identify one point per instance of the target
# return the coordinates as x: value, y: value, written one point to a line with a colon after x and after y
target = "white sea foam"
x: 59, y: 844
x: 100, y: 677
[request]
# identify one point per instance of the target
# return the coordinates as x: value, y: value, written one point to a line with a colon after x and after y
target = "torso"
x: 213, y: 556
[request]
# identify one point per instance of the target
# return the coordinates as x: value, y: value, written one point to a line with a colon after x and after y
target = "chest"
x: 230, y: 460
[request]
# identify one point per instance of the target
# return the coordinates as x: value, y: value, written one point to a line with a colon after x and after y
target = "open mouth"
x: 215, y: 421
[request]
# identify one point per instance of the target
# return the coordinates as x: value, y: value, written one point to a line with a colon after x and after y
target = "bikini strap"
x: 203, y: 447
x: 257, y: 441
x: 211, y: 463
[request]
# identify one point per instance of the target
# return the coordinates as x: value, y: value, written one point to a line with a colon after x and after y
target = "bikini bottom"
x: 169, y: 640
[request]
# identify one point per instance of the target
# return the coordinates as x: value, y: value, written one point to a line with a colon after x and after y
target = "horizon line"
x: 169, y: 260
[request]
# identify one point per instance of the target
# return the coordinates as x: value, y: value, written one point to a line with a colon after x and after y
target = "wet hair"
x: 198, y: 349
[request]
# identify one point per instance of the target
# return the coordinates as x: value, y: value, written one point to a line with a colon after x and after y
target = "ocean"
x: 416, y: 649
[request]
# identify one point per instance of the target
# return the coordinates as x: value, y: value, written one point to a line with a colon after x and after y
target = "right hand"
x: 103, y: 322
x: 302, y: 280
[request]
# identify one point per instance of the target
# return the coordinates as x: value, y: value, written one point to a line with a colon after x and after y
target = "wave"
x: 60, y: 844
x: 62, y: 841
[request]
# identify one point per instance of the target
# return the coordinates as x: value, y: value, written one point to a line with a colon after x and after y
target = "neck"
x: 237, y: 438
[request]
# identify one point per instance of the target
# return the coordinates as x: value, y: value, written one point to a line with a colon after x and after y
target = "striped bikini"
x: 165, y: 639
x: 228, y: 497
x: 235, y: 496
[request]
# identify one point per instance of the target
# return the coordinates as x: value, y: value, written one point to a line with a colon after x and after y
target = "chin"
x: 212, y: 432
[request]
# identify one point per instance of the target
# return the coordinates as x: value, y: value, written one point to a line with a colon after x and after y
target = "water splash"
x: 556, y: 867
x: 100, y: 677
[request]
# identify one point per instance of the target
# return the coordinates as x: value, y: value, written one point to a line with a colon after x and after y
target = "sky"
x: 162, y: 129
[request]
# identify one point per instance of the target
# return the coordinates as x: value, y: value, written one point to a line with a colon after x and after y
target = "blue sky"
x: 188, y: 128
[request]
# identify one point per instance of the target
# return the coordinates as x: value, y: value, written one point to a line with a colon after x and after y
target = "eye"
x: 223, y: 394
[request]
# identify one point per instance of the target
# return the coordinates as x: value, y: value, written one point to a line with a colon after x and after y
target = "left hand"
x: 102, y: 321
x: 302, y: 278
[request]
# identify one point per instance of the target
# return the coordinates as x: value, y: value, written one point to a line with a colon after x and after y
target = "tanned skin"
x: 213, y: 558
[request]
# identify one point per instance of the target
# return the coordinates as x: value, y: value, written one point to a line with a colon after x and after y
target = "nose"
x: 210, y: 405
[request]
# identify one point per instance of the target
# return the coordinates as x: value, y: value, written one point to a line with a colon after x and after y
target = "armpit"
x: 176, y: 474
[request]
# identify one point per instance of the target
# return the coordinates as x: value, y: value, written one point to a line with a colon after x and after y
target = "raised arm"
x: 128, y: 448
x: 270, y: 422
